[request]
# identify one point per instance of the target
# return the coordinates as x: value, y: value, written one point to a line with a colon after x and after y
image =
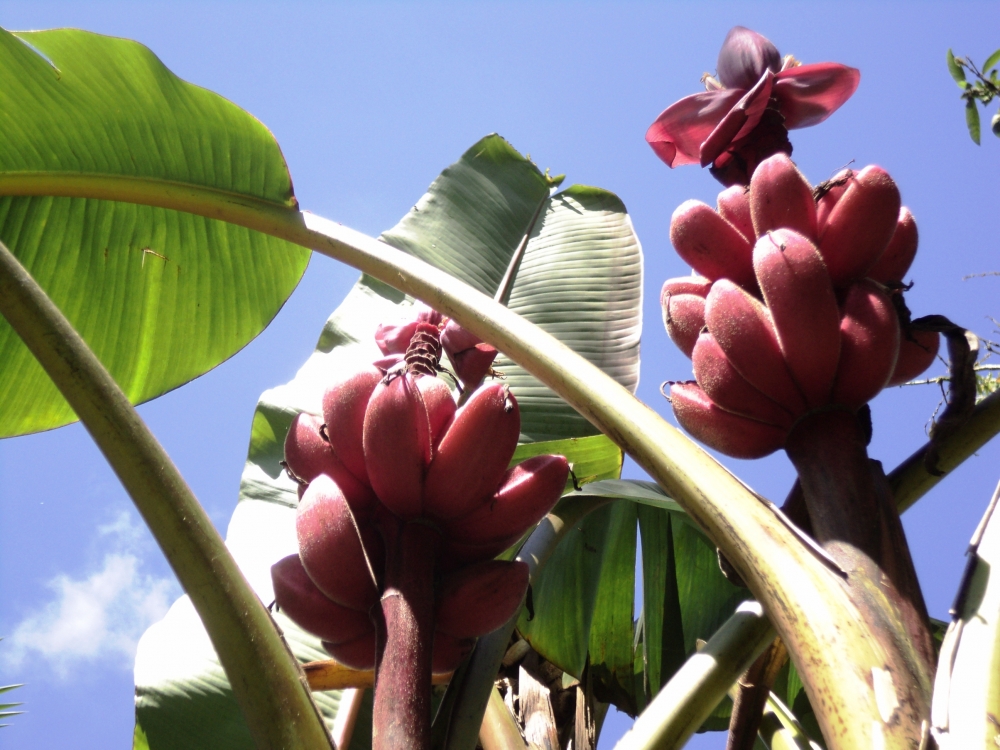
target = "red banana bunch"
x: 393, y: 448
x: 795, y: 305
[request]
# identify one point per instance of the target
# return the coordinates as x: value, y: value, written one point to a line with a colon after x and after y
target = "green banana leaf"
x: 579, y: 278
x: 585, y: 605
x: 471, y: 222
x: 160, y: 296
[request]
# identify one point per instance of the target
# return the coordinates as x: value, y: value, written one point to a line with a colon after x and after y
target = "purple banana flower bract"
x: 708, y: 128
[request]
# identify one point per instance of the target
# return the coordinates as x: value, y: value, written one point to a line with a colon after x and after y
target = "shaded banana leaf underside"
x: 586, y: 613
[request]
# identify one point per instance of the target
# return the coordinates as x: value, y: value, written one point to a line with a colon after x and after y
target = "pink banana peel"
x: 473, y: 454
x: 397, y: 444
x: 733, y: 205
x: 746, y: 333
x: 869, y: 344
x: 859, y: 227
x: 480, y: 598
x: 728, y: 433
x: 519, y: 503
x: 308, y: 454
x: 917, y: 351
x: 299, y: 598
x: 895, y: 261
x: 344, y: 406
x: 683, y: 303
x: 711, y: 245
x: 729, y: 390
x: 331, y: 547
x: 803, y: 306
x: 781, y: 198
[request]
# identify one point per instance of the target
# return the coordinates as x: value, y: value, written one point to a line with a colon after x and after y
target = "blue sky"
x: 369, y: 103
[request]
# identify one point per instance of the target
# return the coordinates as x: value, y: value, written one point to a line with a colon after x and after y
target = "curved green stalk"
x: 683, y: 704
x: 500, y: 730
x: 780, y: 730
x: 805, y: 599
x: 910, y: 480
x: 264, y: 674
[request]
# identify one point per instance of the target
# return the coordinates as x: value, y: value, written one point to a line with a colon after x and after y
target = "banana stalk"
x: 965, y: 713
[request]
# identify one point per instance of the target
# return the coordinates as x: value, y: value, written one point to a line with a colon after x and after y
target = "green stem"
x: 500, y: 730
x: 910, y: 480
x: 780, y: 730
x: 683, y: 704
x: 265, y: 677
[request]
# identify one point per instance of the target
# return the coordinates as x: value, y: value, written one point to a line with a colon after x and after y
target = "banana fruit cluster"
x: 796, y: 304
x: 393, y: 447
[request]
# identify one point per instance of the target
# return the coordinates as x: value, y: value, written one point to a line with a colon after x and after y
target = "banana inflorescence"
x: 392, y: 449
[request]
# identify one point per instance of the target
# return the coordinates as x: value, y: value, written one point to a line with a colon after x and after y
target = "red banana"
x: 917, y: 350
x: 728, y: 389
x: 743, y: 328
x: 803, y: 306
x: 308, y: 455
x: 440, y: 405
x: 297, y: 596
x: 683, y: 317
x: 478, y: 599
x: 833, y: 189
x: 357, y: 654
x: 397, y: 443
x: 473, y: 454
x: 456, y: 554
x: 781, y: 198
x: 471, y: 358
x: 683, y: 304
x: 527, y: 492
x: 859, y: 227
x: 717, y: 428
x: 448, y: 652
x: 344, y: 406
x: 869, y: 344
x: 394, y: 338
x: 900, y: 252
x: 699, y: 286
x: 330, y: 546
x: 711, y: 245
x: 734, y: 207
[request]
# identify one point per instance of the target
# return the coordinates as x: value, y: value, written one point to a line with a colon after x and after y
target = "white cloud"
x: 99, y: 617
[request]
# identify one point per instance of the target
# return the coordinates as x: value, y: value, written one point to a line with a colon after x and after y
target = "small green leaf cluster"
x: 986, y: 384
x: 984, y: 89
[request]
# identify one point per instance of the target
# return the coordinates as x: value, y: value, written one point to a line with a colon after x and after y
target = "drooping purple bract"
x: 746, y: 114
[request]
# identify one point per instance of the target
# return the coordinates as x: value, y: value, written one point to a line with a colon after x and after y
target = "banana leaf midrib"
x: 175, y: 194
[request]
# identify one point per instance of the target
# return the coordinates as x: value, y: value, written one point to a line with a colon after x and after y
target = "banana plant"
x: 207, y: 175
